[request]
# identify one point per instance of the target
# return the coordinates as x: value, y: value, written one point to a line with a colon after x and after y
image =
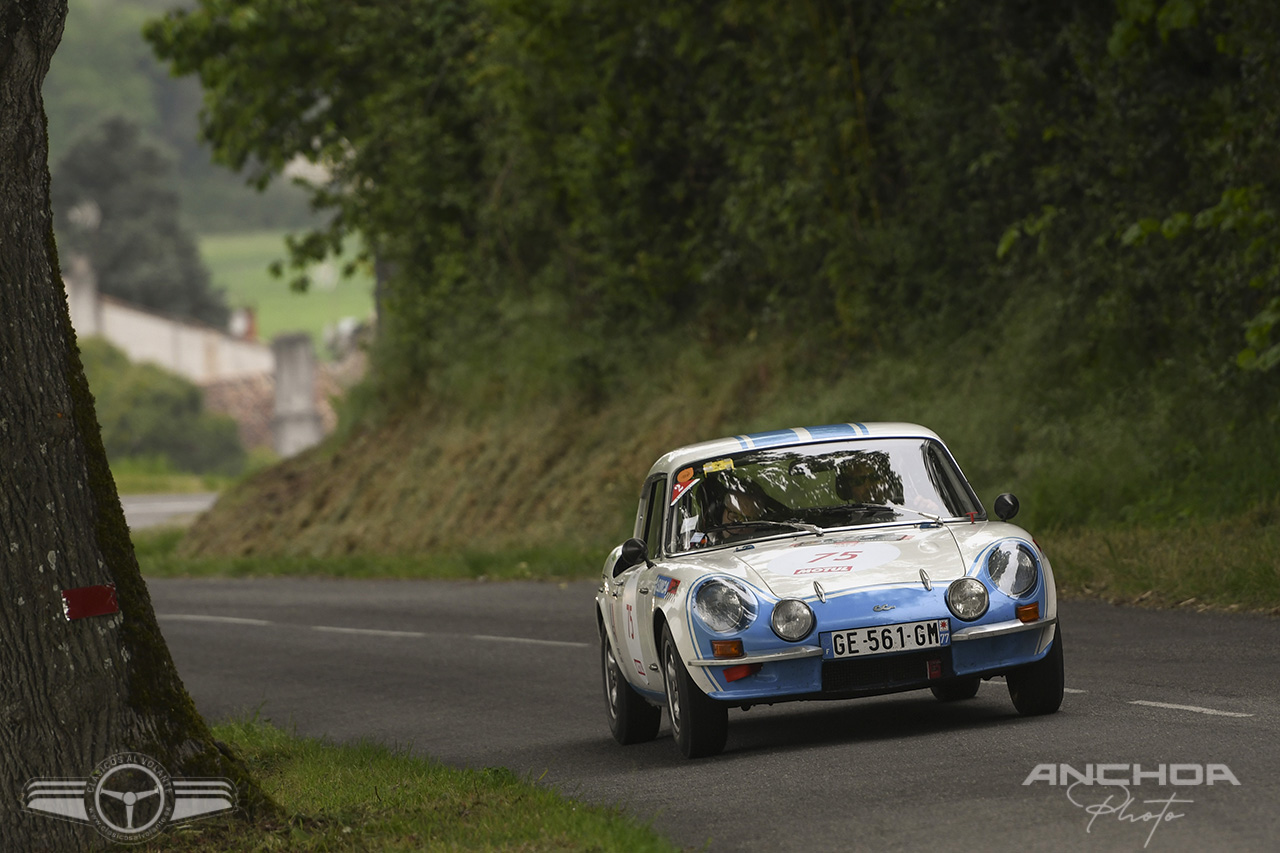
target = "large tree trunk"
x: 73, y: 691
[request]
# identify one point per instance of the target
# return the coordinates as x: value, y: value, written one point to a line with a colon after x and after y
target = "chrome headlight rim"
x: 968, y: 599
x: 786, y: 611
x: 723, y: 606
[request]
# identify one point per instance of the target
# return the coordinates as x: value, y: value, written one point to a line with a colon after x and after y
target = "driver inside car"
x: 858, y: 481
x: 729, y: 510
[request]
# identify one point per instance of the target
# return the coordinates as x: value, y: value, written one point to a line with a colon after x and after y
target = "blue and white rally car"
x: 822, y: 563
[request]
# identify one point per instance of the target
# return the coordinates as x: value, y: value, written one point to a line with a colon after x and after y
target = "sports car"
x: 831, y: 562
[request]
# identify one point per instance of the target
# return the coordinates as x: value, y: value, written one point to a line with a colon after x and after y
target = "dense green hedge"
x: 1063, y: 213
x: 147, y: 413
x: 870, y: 172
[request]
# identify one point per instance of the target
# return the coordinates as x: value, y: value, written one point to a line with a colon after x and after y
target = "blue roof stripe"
x: 772, y: 439
x: 791, y: 436
x: 838, y: 431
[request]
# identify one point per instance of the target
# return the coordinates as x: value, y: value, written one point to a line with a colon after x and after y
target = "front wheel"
x: 699, y: 723
x: 1037, y: 687
x: 631, y: 718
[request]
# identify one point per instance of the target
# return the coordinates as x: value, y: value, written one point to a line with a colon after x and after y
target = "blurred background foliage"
x: 103, y: 70
x: 1048, y: 227
x: 154, y: 421
x: 115, y: 205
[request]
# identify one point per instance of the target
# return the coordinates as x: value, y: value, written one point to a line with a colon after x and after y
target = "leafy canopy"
x: 887, y: 174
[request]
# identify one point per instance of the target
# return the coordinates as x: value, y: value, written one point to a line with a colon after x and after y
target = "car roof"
x: 783, y: 438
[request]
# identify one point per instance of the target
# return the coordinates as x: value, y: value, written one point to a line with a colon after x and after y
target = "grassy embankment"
x: 1131, y: 504
x: 366, y: 797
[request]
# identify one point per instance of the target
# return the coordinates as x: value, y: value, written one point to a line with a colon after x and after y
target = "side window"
x: 655, y: 500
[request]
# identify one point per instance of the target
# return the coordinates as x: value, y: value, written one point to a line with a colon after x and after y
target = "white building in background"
x: 198, y: 352
x: 241, y: 377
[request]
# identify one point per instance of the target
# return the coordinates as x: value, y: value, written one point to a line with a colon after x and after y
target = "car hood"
x: 844, y: 562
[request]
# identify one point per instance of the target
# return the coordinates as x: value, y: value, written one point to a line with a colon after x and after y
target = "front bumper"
x: 802, y: 673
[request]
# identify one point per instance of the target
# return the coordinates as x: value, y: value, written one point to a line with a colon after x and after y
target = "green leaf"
x: 1177, y: 15
x: 1176, y: 225
x: 1136, y: 234
x: 1010, y: 237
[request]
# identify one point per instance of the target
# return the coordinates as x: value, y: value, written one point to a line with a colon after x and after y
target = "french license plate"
x: 904, y: 637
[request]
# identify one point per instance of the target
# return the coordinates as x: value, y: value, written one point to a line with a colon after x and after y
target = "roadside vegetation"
x: 1049, y: 232
x: 367, y: 797
x: 154, y: 424
x: 1131, y: 505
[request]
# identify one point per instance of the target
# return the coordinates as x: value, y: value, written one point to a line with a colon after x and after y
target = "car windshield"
x: 757, y: 493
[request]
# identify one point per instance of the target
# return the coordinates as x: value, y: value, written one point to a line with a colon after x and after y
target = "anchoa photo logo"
x: 128, y: 798
x: 1111, y: 791
x: 1067, y: 775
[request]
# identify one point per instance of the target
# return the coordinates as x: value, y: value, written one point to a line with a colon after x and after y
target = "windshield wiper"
x: 876, y: 509
x: 797, y: 525
x: 868, y: 509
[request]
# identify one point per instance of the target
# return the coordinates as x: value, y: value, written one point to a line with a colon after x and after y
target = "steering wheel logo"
x: 129, y: 797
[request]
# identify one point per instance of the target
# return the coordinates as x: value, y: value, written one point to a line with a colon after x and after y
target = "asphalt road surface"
x: 154, y: 510
x: 489, y: 674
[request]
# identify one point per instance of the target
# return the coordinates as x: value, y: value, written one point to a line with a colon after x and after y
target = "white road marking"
x: 195, y: 617
x: 376, y: 632
x: 527, y: 640
x: 1195, y: 708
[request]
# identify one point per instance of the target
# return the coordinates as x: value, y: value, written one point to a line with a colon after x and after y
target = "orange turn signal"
x: 727, y: 648
x: 1028, y: 612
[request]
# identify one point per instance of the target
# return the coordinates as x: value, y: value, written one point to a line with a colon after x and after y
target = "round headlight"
x: 792, y: 619
x: 723, y: 607
x: 1012, y: 568
x: 967, y: 599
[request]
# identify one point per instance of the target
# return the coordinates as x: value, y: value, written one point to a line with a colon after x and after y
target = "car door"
x: 633, y: 616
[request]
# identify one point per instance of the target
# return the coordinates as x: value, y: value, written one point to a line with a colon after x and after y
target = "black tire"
x: 631, y: 718
x: 1037, y: 688
x: 699, y: 723
x: 957, y: 689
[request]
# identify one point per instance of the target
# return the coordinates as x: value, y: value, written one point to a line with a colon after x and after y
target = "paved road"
x: 507, y: 674
x: 154, y: 510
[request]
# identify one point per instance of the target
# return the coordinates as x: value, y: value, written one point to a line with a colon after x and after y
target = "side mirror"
x: 1006, y: 506
x: 634, y: 552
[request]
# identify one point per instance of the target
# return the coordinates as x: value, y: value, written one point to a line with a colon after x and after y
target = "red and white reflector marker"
x: 89, y: 601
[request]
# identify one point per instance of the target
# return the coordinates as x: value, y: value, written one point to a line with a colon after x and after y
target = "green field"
x: 239, y: 264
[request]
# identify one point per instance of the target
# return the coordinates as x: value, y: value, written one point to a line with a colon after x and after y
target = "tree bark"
x: 72, y: 691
